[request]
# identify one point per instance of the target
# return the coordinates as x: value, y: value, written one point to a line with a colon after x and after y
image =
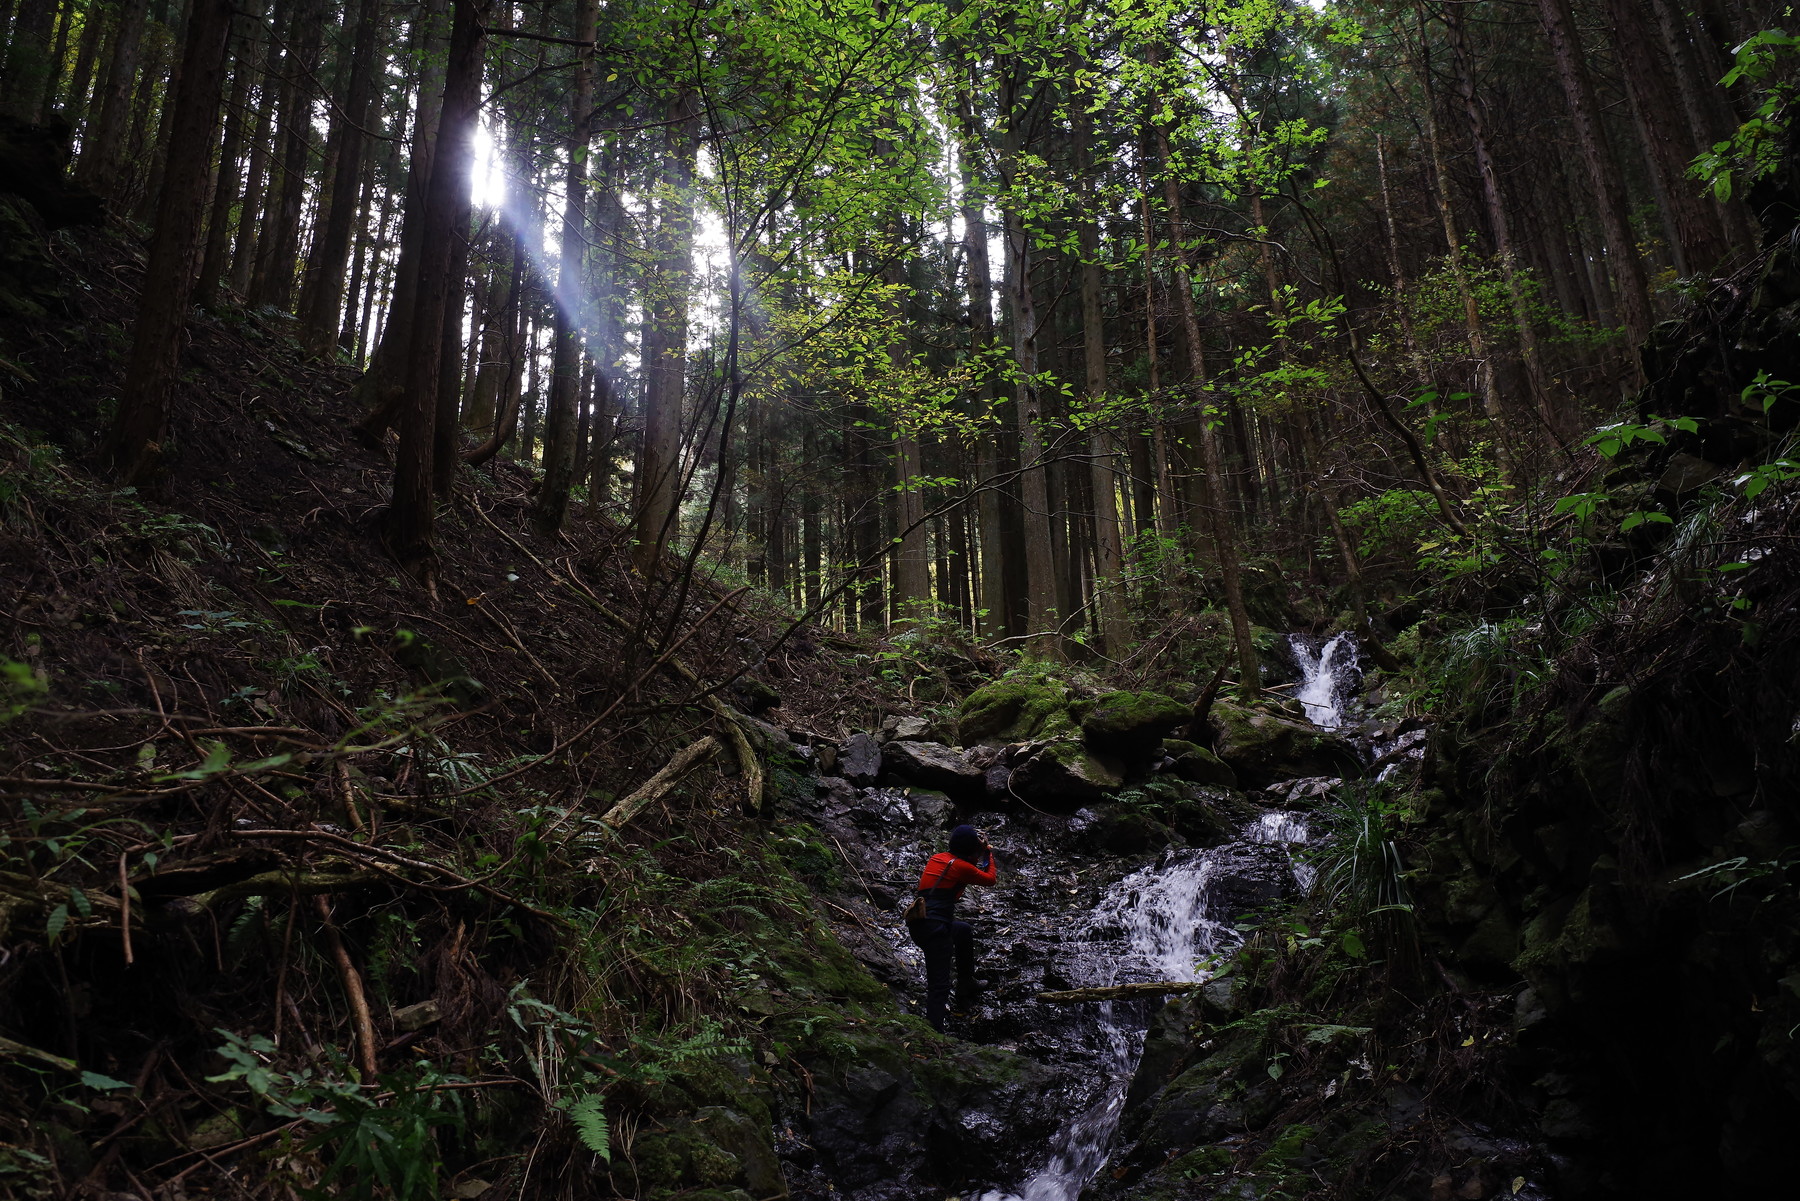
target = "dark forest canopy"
x: 1008, y: 314
x: 522, y: 524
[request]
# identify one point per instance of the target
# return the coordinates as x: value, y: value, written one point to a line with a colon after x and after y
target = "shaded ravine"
x: 1162, y: 922
x: 1165, y: 921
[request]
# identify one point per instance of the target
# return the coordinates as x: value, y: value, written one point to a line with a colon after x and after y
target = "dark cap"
x: 965, y: 843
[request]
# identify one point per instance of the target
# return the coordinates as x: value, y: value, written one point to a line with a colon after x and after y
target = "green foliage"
x: 21, y: 688
x: 588, y: 1115
x: 1756, y: 148
x: 378, y: 1145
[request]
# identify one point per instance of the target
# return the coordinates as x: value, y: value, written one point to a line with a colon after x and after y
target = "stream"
x: 1070, y: 914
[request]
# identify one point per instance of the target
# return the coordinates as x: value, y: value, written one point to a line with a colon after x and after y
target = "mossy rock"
x: 1198, y: 765
x: 1263, y: 748
x: 1132, y: 723
x: 1067, y: 773
x: 1015, y: 709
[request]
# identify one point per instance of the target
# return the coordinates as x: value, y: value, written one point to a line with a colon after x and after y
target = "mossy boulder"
x: 1196, y: 764
x: 1131, y: 724
x: 1263, y: 748
x: 1067, y: 773
x: 1016, y: 709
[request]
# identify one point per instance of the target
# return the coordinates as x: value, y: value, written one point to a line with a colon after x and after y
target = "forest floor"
x: 236, y: 704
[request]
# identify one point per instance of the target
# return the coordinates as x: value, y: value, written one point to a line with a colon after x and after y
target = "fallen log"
x: 656, y: 786
x: 1119, y: 992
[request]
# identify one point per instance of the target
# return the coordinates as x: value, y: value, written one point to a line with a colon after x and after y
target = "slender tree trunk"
x: 278, y: 251
x: 1500, y: 223
x: 140, y: 433
x: 562, y: 420
x: 1042, y: 619
x: 225, y: 188
x: 665, y: 351
x: 1109, y: 556
x: 382, y: 388
x: 412, y: 515
x: 76, y: 104
x: 1630, y: 287
x: 322, y: 291
x: 30, y: 68
x: 500, y: 371
x: 911, y: 559
x: 980, y: 288
x: 104, y: 140
x: 1211, y: 460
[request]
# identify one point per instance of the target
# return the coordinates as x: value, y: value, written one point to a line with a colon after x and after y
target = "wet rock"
x: 933, y: 765
x: 859, y: 759
x: 901, y: 1121
x: 909, y: 728
x: 1196, y: 764
x: 738, y: 1135
x: 998, y: 780
x: 932, y: 810
x: 1015, y: 710
x: 1131, y: 724
x: 1130, y: 832
x: 1263, y: 748
x: 1066, y: 773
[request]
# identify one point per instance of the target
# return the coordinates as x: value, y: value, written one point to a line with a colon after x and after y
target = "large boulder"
x: 1263, y: 748
x: 1131, y: 724
x: 859, y: 759
x: 1194, y: 763
x: 933, y: 765
x: 1015, y: 710
x: 1066, y: 773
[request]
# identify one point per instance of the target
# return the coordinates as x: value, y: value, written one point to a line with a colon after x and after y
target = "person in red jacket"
x: 933, y: 925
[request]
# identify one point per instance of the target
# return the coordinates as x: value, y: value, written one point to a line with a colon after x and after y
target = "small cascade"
x: 1156, y: 924
x: 1327, y: 676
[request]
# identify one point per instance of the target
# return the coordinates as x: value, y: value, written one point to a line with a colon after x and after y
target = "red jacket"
x: 944, y: 878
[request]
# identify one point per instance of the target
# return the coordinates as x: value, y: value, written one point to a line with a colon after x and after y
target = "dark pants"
x: 943, y: 942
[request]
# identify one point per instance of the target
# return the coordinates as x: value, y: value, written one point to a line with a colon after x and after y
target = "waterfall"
x: 1155, y: 924
x: 1325, y: 677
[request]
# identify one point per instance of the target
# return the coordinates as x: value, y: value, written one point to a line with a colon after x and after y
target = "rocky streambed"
x: 1132, y: 844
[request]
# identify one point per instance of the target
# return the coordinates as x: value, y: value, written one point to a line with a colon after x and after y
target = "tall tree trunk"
x: 1034, y: 491
x: 665, y: 350
x: 980, y: 289
x: 911, y: 559
x: 1500, y: 223
x: 140, y: 433
x: 30, y: 68
x: 76, y: 104
x: 1109, y: 556
x: 322, y: 291
x: 412, y: 516
x: 225, y: 188
x: 1486, y: 387
x: 278, y: 250
x: 562, y: 420
x: 1630, y: 287
x: 382, y: 387
x: 500, y: 371
x: 1212, y: 462
x: 256, y: 173
x: 104, y: 140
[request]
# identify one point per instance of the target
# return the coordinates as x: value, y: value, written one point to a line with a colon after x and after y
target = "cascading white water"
x: 1155, y: 924
x: 1324, y: 676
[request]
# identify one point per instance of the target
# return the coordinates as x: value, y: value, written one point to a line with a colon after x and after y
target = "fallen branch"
x: 353, y: 992
x: 658, y: 785
x: 9, y: 1047
x: 367, y: 852
x: 1119, y: 992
